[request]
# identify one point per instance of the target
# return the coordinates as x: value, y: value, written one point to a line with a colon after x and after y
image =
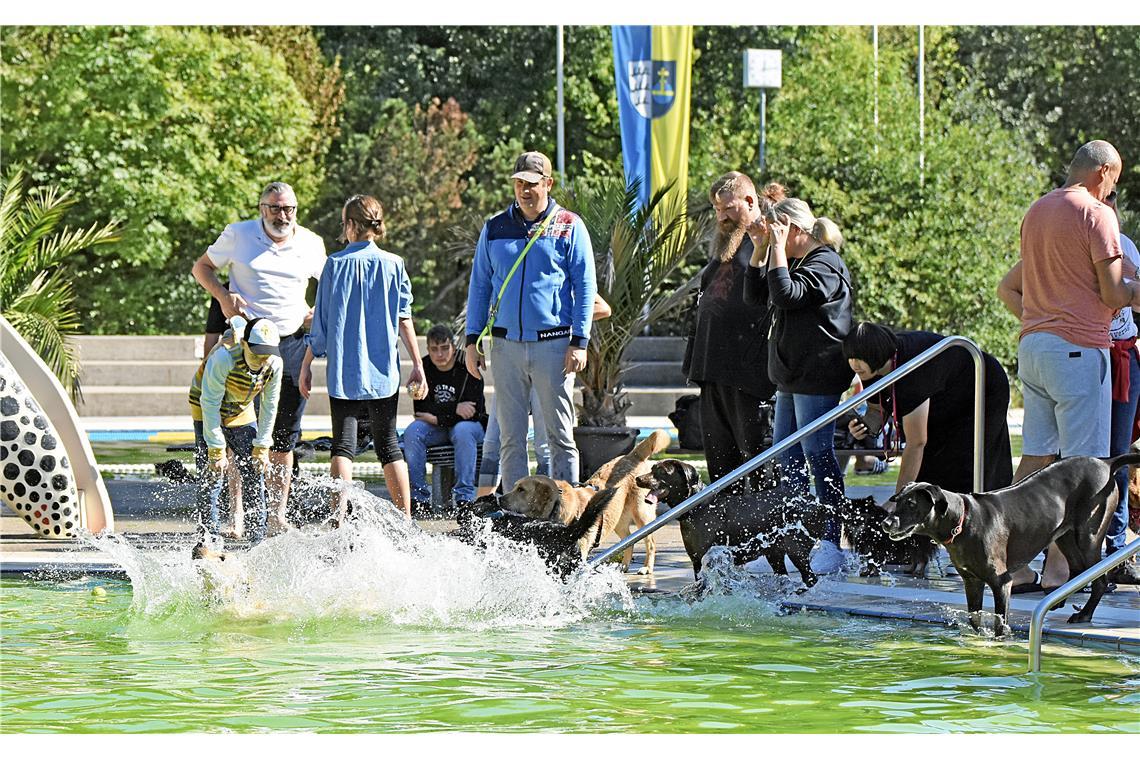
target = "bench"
x: 442, y: 461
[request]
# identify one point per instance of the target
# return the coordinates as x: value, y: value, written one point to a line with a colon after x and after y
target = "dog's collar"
x: 591, y: 486
x: 957, y: 528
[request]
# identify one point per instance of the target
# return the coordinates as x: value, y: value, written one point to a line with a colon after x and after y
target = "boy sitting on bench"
x: 452, y: 412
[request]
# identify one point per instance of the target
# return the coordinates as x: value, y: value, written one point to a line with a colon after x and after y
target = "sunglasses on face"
x: 275, y: 209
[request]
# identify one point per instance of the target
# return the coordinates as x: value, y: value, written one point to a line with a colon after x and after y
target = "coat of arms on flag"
x: 652, y: 86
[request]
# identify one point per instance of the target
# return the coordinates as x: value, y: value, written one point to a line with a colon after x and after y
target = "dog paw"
x: 645, y: 571
x: 1079, y: 617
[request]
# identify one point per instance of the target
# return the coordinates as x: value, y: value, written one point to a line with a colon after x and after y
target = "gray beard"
x: 725, y: 245
x: 271, y: 227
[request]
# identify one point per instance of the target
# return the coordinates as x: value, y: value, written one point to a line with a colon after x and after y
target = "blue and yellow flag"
x: 652, y: 66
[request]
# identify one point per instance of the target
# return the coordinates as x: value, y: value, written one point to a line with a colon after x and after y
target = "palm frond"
x: 637, y: 248
x: 36, y: 295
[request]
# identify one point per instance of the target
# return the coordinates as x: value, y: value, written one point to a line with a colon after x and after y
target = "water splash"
x: 378, y: 567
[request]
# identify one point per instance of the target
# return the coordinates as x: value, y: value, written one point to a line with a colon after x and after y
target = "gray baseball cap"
x: 532, y: 166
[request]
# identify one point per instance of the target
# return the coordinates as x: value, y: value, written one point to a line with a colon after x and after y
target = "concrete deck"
x: 154, y: 512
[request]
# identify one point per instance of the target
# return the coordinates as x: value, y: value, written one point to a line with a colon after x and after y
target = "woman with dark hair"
x: 933, y: 406
x: 808, y: 291
x: 363, y: 304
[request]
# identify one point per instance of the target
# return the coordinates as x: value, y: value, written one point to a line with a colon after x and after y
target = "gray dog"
x: 990, y: 535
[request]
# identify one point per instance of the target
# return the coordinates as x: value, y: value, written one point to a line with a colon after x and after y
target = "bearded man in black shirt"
x: 727, y: 351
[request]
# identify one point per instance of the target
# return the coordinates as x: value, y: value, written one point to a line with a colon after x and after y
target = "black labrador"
x: 556, y: 542
x: 863, y: 527
x: 772, y: 523
x: 990, y: 535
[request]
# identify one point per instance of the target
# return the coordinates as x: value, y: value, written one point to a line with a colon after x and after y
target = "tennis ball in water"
x: 99, y: 592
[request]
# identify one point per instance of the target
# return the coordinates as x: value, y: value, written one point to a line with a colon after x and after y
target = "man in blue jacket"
x: 538, y: 306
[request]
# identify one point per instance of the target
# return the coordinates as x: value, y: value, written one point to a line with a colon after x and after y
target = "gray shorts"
x: 1068, y: 397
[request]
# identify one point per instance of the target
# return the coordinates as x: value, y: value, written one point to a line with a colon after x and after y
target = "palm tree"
x: 36, y: 295
x: 637, y: 248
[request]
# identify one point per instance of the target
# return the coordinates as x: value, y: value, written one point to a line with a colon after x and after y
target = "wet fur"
x: 557, y: 543
x: 1069, y: 502
x: 537, y: 496
x: 222, y: 578
x: 770, y: 524
x: 863, y: 527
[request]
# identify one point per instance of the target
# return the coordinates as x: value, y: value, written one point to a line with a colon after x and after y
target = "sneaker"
x: 421, y: 509
x: 828, y: 558
x: 1127, y: 573
x: 760, y: 566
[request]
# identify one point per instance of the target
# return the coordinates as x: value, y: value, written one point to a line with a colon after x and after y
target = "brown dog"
x: 541, y: 497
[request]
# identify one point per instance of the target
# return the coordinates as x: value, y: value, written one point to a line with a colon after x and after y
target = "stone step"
x: 652, y: 348
x: 179, y: 372
x: 177, y: 347
x: 165, y: 400
x: 130, y: 348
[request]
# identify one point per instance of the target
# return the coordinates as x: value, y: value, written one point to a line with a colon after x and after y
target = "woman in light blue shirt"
x: 364, y: 301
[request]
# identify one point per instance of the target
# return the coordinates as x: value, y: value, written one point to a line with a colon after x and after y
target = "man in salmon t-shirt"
x: 1066, y: 289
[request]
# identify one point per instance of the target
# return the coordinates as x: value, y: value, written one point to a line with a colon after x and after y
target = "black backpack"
x: 686, y: 417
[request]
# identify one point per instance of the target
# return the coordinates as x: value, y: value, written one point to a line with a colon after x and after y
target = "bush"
x: 175, y: 131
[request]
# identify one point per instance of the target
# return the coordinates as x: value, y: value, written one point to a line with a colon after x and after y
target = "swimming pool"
x: 382, y: 629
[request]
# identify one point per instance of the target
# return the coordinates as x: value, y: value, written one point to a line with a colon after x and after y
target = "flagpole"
x: 875, y: 45
x: 921, y: 107
x: 561, y: 113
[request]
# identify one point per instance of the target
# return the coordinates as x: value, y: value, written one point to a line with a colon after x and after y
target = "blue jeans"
x: 1123, y: 412
x: 521, y: 367
x: 489, y: 466
x: 240, y: 442
x: 465, y: 437
x: 793, y: 411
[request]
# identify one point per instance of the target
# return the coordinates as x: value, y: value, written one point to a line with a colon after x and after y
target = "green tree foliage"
x: 415, y: 160
x: 36, y: 294
x: 926, y: 247
x: 318, y: 80
x: 174, y: 131
x: 1062, y: 86
x: 504, y: 77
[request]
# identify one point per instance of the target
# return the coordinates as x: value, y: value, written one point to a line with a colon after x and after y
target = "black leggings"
x: 382, y: 413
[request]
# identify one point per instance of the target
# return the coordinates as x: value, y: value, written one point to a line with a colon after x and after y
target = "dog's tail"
x: 591, y: 515
x: 1115, y: 464
x: 654, y: 443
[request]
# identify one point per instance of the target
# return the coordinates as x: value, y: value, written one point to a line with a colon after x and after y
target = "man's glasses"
x: 275, y: 209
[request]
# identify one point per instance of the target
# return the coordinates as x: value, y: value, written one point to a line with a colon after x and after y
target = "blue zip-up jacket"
x: 550, y: 295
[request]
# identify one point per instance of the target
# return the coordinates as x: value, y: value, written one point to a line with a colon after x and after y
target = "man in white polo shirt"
x: 271, y: 260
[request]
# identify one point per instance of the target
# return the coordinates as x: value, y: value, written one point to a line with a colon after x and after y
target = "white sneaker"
x: 760, y: 566
x: 827, y: 558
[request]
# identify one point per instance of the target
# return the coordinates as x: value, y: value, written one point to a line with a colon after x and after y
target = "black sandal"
x: 1029, y: 588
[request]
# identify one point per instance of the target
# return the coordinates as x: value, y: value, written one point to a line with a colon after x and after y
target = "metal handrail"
x: 1064, y: 591
x: 755, y: 462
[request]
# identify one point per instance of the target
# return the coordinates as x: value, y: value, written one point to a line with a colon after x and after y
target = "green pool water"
x: 74, y: 662
x: 382, y: 627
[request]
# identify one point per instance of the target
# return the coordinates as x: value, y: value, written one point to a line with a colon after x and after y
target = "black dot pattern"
x: 35, y: 480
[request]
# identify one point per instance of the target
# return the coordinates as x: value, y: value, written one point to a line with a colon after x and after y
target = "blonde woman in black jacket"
x: 808, y: 290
